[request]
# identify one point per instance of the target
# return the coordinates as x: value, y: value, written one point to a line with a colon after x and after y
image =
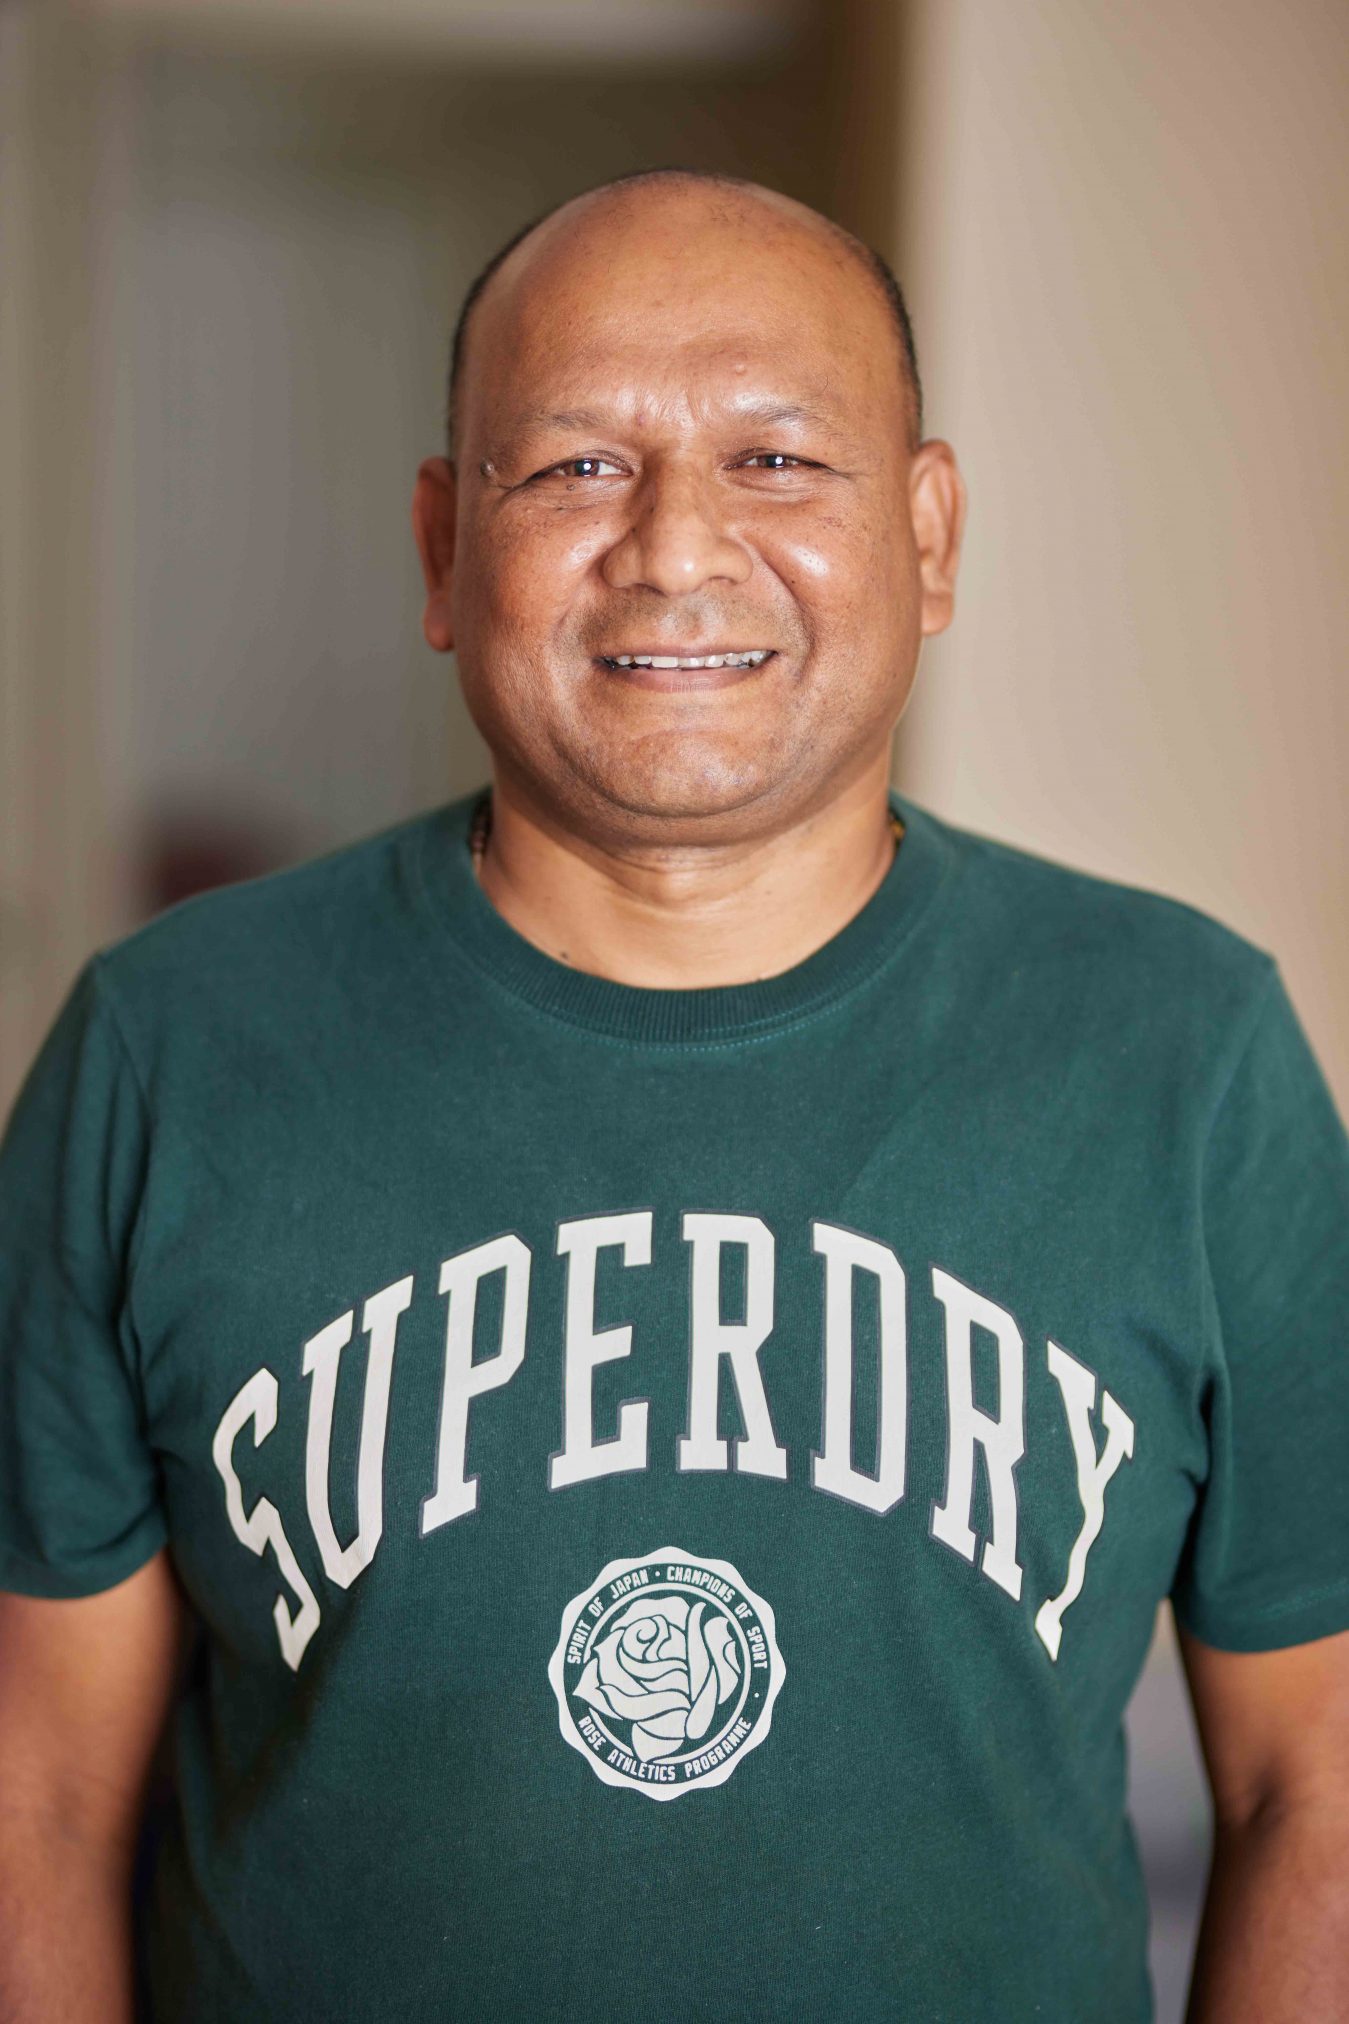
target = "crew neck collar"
x: 703, y: 1015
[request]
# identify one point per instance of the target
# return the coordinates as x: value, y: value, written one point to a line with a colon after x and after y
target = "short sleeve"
x: 79, y: 1501
x: 1266, y: 1562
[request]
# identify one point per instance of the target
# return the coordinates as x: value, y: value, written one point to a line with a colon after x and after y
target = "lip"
x: 682, y: 680
x: 680, y: 650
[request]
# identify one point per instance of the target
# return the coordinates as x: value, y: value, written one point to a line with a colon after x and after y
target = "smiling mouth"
x: 739, y: 657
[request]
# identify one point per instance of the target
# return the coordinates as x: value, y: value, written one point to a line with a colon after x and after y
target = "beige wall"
x: 60, y: 885
x: 1124, y: 232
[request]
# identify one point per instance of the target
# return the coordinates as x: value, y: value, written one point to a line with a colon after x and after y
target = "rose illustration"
x: 665, y: 1665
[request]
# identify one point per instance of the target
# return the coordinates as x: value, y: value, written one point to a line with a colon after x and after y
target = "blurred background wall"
x: 1126, y: 235
x: 233, y: 235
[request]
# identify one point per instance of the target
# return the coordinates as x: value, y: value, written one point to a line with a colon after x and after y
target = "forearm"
x: 1274, y: 1942
x: 65, y: 1932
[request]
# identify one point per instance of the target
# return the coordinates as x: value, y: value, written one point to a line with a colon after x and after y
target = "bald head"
x: 685, y: 430
x: 693, y: 201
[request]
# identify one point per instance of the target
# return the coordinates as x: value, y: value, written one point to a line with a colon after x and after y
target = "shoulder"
x: 1150, y: 963
x: 269, y: 943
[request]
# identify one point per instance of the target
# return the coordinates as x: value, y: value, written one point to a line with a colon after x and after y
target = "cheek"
x: 842, y: 570
x: 527, y: 571
x: 811, y: 570
x: 518, y: 588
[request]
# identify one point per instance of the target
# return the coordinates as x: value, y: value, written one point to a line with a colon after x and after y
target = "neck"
x: 678, y: 917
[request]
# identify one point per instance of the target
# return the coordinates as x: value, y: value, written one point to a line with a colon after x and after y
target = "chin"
x: 681, y: 785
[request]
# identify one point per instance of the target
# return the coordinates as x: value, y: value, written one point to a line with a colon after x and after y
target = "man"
x: 674, y: 1323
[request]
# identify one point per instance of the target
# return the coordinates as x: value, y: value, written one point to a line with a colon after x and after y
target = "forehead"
x: 682, y: 308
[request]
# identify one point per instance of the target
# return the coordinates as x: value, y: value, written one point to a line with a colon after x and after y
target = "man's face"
x: 683, y: 434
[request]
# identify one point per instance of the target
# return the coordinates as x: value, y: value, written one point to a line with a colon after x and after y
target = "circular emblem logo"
x: 666, y: 1672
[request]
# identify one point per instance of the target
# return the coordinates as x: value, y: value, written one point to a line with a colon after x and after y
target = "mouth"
x: 717, y: 668
x: 722, y: 657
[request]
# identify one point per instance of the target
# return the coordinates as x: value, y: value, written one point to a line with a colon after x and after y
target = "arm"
x: 84, y: 1689
x: 1274, y: 1729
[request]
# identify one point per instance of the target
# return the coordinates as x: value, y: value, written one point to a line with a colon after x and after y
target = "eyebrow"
x: 768, y: 414
x: 566, y: 418
x: 774, y: 413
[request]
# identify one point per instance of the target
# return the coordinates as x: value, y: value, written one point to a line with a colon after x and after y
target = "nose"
x: 676, y: 540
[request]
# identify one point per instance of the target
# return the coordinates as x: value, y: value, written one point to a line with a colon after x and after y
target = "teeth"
x: 753, y: 657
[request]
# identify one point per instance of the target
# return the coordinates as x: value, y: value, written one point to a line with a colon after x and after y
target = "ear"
x: 433, y: 516
x: 937, y: 508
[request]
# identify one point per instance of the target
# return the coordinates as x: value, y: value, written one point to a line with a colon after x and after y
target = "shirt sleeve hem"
x: 42, y: 1579
x: 1302, y: 1621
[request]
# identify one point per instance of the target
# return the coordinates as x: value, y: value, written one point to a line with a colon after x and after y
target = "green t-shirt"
x: 677, y: 1485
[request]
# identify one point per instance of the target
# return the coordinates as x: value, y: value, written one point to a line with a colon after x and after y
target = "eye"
x: 777, y: 460
x: 581, y: 467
